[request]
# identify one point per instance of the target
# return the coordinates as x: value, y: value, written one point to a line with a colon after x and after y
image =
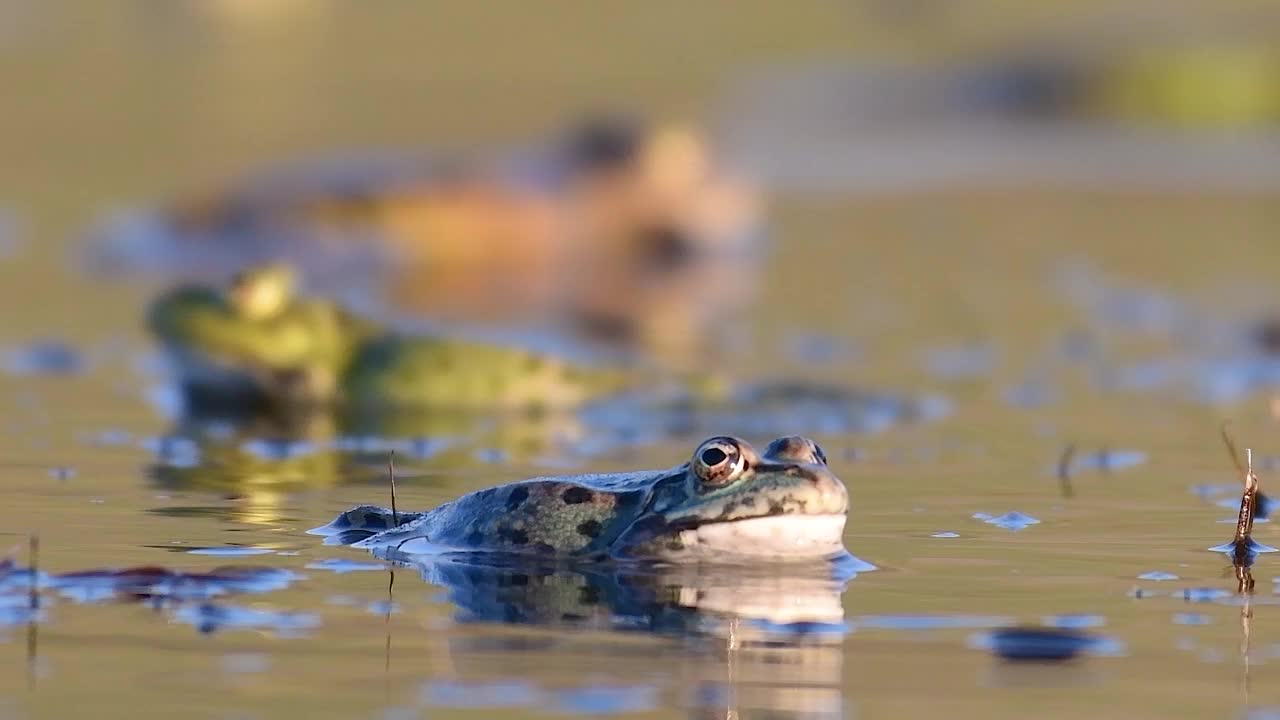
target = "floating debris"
x: 1012, y: 520
x: 1043, y: 644
x: 947, y: 534
x: 1157, y: 576
x: 62, y: 473
x: 1192, y: 619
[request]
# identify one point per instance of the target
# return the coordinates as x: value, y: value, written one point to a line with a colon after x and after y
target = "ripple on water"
x: 1073, y: 621
x: 280, y: 449
x: 961, y: 362
x: 1263, y: 509
x: 174, y: 451
x: 44, y: 357
x: 1254, y: 547
x: 209, y: 618
x: 93, y: 586
x: 341, y: 566
x: 62, y: 473
x: 1012, y: 520
x: 595, y: 700
x: 230, y: 551
x: 1105, y: 460
x: 17, y: 610
x: 1202, y: 594
x: 929, y: 622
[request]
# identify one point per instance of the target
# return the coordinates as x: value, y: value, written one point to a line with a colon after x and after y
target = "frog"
x: 728, y: 502
x: 257, y: 335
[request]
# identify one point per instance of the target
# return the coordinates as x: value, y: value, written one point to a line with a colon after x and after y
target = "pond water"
x: 1108, y: 322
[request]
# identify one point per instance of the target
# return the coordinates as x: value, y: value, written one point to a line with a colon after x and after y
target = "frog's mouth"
x: 771, y: 536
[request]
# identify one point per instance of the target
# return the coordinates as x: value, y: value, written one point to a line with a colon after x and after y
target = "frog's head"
x: 262, y: 291
x: 730, y: 501
x: 250, y: 328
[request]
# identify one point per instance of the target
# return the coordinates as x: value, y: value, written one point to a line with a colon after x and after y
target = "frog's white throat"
x: 775, y: 536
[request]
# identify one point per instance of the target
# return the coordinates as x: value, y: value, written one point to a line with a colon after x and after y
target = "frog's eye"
x: 796, y: 448
x: 719, y: 461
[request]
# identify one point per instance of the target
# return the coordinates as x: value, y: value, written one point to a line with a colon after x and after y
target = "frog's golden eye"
x: 719, y: 461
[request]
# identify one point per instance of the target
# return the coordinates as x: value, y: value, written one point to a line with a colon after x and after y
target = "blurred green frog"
x: 258, y: 341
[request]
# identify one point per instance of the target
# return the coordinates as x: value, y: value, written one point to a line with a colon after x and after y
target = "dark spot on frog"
x: 590, y: 528
x: 375, y: 522
x: 575, y: 495
x: 518, y: 495
x: 513, y: 535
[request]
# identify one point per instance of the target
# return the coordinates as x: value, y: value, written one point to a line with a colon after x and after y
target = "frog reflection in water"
x: 727, y: 503
x: 257, y: 339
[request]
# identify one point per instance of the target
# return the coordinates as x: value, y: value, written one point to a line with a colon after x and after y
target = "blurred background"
x: 1061, y: 217
x: 851, y: 145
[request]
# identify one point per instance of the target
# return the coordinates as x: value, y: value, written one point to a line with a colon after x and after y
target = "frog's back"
x: 573, y: 515
x: 428, y: 371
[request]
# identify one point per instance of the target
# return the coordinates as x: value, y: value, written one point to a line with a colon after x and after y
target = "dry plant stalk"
x: 1249, y: 498
x: 1242, y: 543
x: 391, y: 474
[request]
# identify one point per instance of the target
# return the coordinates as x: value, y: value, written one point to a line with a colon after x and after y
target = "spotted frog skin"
x: 257, y: 337
x: 727, y: 503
